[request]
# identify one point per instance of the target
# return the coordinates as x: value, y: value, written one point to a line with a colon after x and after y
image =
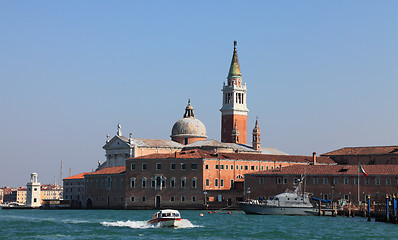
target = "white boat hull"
x: 263, y: 209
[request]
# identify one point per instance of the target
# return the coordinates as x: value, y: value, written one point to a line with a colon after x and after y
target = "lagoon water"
x: 129, y: 224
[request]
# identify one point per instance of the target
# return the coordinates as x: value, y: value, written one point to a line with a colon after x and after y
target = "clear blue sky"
x: 321, y: 75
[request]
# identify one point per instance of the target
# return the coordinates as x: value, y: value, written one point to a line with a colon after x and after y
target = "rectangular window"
x: 207, y: 166
x: 346, y: 181
x: 226, y: 166
x: 278, y: 180
x: 315, y: 181
x: 335, y: 181
x: 325, y: 181
x: 216, y: 182
x: 251, y: 167
x: 241, y: 167
x: 246, y: 167
x: 237, y: 168
x: 193, y: 199
x: 221, y: 166
x: 222, y: 182
x: 182, y: 198
x: 232, y: 183
x: 261, y: 181
x: 144, y: 166
x: 132, y: 199
x: 207, y: 182
x: 143, y: 198
x: 262, y: 168
x: 355, y: 181
x: 172, y: 199
x: 158, y: 166
x: 194, y: 166
x: 216, y: 166
x: 367, y: 181
x: 256, y: 168
x: 172, y: 166
x: 377, y: 181
x: 284, y: 180
x: 232, y: 167
x: 132, y: 166
x: 183, y: 166
x: 388, y: 181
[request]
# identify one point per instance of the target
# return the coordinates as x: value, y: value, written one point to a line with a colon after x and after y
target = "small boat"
x: 166, y: 218
x: 287, y: 203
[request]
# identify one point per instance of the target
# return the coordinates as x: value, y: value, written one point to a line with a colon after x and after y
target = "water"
x: 126, y: 224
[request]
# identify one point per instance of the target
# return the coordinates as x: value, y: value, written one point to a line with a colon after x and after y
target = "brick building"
x: 326, y: 181
x: 365, y: 155
x: 196, y: 178
x: 74, y: 189
x: 105, y: 188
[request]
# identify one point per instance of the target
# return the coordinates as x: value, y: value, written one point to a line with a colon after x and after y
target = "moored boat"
x: 166, y: 218
x: 287, y: 203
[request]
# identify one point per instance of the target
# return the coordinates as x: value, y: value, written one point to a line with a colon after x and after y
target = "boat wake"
x: 185, y: 223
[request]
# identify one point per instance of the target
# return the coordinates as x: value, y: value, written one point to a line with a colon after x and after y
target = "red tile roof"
x: 78, y: 176
x: 109, y: 170
x: 201, y: 154
x: 377, y: 150
x: 372, y: 170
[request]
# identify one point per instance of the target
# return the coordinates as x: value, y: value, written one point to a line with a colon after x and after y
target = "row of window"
x: 231, y: 167
x: 238, y: 98
x: 160, y: 182
x: 144, y: 166
x: 325, y: 181
x: 172, y: 199
x: 218, y: 182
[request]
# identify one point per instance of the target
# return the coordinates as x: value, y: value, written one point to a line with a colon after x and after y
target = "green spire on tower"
x: 234, y: 70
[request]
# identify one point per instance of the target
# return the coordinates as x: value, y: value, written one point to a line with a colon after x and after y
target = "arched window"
x: 143, y: 183
x: 194, y: 182
x: 183, y: 182
x: 172, y: 182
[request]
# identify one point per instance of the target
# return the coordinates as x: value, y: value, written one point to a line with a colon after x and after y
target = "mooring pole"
x: 387, y: 208
x: 368, y: 208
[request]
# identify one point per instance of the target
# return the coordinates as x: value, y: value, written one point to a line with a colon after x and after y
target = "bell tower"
x: 234, y: 110
x: 256, y: 137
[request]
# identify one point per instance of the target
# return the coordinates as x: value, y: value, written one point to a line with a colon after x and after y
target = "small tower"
x: 33, y: 192
x: 234, y: 110
x: 256, y: 137
x: 235, y: 134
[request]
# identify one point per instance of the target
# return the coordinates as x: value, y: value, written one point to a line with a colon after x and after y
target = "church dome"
x: 189, y: 126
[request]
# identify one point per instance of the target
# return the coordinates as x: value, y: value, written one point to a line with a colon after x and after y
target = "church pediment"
x: 117, y: 142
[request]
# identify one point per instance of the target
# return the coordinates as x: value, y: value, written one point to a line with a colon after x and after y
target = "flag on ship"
x: 362, y: 171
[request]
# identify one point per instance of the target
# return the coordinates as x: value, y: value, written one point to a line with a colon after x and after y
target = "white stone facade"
x: 33, y: 192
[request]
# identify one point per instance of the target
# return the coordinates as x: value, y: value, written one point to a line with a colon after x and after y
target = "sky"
x: 321, y: 75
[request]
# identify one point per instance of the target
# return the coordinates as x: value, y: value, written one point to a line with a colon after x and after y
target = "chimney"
x: 314, y: 158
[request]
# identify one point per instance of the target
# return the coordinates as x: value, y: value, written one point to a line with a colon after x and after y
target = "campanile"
x: 234, y: 110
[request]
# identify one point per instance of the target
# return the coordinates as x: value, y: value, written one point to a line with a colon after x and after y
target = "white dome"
x: 188, y: 127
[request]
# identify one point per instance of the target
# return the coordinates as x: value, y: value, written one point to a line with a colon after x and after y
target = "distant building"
x: 105, y: 188
x: 365, y: 155
x: 119, y: 148
x: 50, y: 192
x: 33, y: 192
x: 20, y: 195
x: 74, y: 189
x: 1, y: 195
x: 326, y: 181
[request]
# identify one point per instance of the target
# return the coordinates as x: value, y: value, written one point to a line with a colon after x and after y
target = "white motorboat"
x: 166, y: 218
x: 287, y: 203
